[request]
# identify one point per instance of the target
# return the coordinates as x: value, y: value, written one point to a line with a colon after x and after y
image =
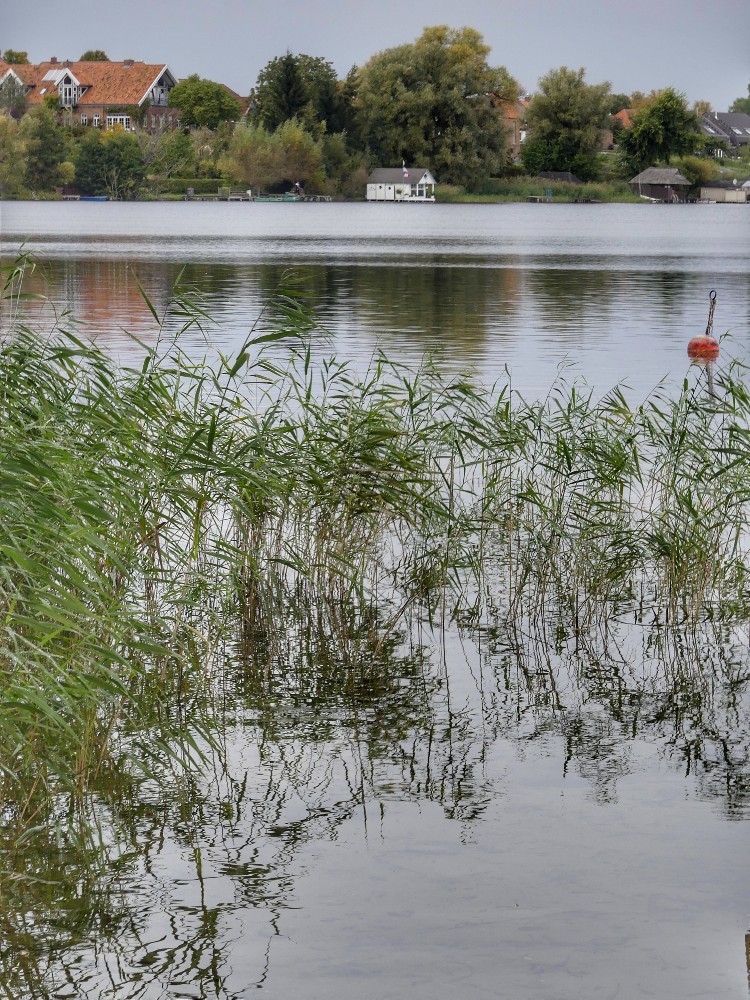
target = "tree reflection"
x: 318, y: 734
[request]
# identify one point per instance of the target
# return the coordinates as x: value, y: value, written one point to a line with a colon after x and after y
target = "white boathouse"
x: 401, y: 184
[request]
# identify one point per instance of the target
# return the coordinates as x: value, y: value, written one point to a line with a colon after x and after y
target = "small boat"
x: 93, y: 197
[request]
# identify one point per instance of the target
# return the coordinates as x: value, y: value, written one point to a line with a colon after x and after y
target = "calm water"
x: 610, y: 292
x: 492, y: 819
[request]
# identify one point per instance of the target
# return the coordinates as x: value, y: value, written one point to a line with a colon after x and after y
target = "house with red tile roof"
x: 101, y: 94
x: 625, y: 117
x: 515, y: 117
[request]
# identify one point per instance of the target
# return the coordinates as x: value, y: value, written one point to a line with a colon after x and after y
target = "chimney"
x: 53, y: 60
x: 127, y: 63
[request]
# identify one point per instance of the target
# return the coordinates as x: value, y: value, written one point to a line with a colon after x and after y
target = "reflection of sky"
x: 610, y: 292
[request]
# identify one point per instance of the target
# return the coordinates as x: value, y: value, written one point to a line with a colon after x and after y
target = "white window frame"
x: 97, y: 121
x: 84, y: 119
x: 124, y: 120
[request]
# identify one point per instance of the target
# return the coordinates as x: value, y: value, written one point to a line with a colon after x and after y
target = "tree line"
x: 434, y: 102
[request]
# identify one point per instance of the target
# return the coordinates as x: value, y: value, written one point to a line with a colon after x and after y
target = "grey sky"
x: 701, y: 47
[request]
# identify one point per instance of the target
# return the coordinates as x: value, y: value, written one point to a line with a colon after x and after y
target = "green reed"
x: 159, y: 518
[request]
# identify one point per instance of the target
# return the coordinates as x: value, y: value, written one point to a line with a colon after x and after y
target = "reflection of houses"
x: 661, y: 184
x: 401, y: 184
x: 724, y: 192
x: 101, y: 94
x: 730, y: 129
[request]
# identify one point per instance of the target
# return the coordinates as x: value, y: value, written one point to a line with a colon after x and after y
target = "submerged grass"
x: 158, y: 519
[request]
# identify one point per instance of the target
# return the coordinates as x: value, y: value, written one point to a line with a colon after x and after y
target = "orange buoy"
x: 703, y: 349
x: 706, y: 347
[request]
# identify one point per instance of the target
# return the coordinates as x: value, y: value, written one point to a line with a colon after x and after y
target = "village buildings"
x: 99, y: 94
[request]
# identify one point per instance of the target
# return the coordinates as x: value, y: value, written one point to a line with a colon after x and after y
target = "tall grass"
x: 513, y: 189
x: 158, y: 518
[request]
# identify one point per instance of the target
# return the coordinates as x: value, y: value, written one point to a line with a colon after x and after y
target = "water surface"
x: 608, y: 292
x: 488, y: 817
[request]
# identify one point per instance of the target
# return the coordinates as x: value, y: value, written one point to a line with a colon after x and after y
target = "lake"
x: 491, y: 818
x: 608, y: 293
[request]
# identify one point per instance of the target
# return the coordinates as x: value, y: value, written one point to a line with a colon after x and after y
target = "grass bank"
x: 525, y: 188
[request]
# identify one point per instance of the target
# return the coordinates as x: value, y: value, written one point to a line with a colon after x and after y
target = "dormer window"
x: 70, y: 92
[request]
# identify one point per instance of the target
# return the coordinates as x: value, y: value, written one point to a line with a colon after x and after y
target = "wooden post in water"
x: 747, y: 955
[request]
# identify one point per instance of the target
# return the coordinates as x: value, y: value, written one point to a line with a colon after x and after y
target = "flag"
x: 406, y: 172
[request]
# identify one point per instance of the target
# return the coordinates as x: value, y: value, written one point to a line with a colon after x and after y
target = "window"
x: 69, y: 93
x: 122, y: 120
x: 736, y: 131
x: 84, y: 119
x: 97, y: 121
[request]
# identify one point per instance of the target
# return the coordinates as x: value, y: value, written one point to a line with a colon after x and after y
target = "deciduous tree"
x: 16, y: 58
x: 109, y: 163
x: 12, y: 157
x: 13, y: 97
x: 742, y: 104
x: 566, y: 118
x: 300, y: 155
x: 94, y: 55
x: 252, y: 157
x: 203, y: 103
x: 46, y: 149
x: 663, y: 128
x: 438, y: 103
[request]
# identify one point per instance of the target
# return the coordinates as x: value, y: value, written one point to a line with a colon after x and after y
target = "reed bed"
x: 168, y: 525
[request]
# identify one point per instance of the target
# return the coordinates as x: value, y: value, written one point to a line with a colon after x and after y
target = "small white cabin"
x: 401, y: 184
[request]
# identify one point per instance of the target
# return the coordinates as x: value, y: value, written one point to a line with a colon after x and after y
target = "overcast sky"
x: 701, y: 47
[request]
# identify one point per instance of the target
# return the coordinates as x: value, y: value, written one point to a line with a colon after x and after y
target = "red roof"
x: 127, y: 83
x: 625, y: 117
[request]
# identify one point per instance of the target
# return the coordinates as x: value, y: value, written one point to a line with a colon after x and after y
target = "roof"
x: 727, y: 185
x: 731, y: 126
x: 625, y: 116
x: 127, y: 82
x: 661, y: 175
x: 399, y: 175
x: 515, y: 110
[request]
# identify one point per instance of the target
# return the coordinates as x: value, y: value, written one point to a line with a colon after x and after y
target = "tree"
x: 262, y: 159
x: 13, y: 96
x: 437, y: 103
x: 742, y: 104
x: 617, y: 102
x: 166, y: 152
x: 252, y: 157
x: 12, y: 157
x: 300, y: 155
x: 280, y: 91
x: 94, y: 55
x: 109, y: 163
x: 46, y: 149
x: 16, y: 58
x: 663, y: 128
x: 203, y: 103
x: 566, y: 118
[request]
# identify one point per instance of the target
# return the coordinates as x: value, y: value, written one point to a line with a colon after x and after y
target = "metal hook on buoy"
x: 706, y: 348
x: 712, y: 306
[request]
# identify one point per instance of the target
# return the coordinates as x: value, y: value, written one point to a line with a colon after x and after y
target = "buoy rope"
x: 710, y: 324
